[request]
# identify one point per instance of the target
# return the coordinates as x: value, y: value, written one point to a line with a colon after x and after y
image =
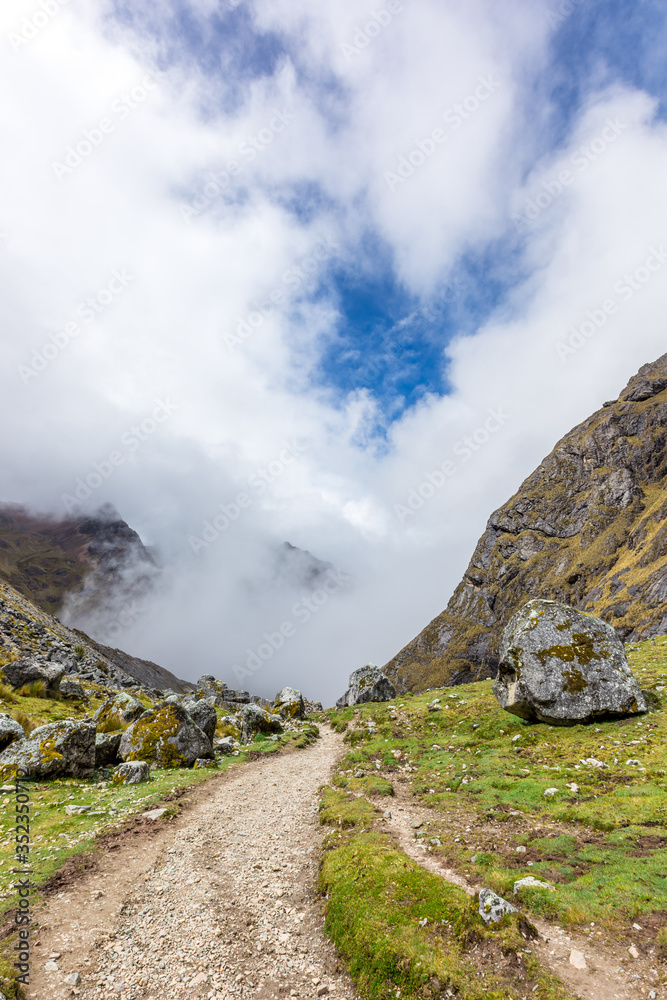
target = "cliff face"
x: 588, y: 527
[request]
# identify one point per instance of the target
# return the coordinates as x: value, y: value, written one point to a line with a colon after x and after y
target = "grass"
x: 405, y: 931
x: 479, y: 776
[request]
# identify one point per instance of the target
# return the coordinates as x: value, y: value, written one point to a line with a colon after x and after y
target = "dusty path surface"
x: 610, y: 972
x: 220, y: 904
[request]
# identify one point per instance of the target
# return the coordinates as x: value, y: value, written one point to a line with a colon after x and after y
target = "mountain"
x: 83, y: 564
x: 588, y: 527
x: 28, y: 631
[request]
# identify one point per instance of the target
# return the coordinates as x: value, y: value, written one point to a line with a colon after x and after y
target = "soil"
x: 219, y: 902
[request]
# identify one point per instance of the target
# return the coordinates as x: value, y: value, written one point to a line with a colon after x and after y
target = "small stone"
x: 417, y: 824
x: 322, y: 990
x: 154, y: 814
x: 637, y: 927
x: 578, y: 959
x: 574, y: 787
x: 73, y: 979
x: 51, y: 967
x: 493, y: 907
x: 521, y: 850
x: 530, y: 881
x: 387, y: 814
x: 550, y: 792
x: 633, y: 952
x: 435, y: 841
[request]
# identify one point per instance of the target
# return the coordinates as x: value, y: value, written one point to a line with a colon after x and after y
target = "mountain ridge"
x: 588, y: 527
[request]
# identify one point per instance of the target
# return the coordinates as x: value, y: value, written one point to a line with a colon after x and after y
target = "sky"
x: 332, y: 274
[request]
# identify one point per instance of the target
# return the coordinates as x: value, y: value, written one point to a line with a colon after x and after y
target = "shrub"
x: 35, y: 689
x: 79, y: 652
x: 112, y: 724
x: 7, y: 693
x: 25, y: 721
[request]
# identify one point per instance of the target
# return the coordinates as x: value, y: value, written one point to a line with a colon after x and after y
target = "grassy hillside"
x: 588, y: 527
x: 477, y: 777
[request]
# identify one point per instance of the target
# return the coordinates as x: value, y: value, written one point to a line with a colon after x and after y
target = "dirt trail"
x: 605, y: 977
x: 219, y: 904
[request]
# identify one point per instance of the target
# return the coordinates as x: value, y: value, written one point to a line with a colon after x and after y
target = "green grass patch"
x: 400, y: 928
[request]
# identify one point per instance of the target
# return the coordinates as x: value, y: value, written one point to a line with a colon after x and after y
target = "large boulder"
x: 256, y: 720
x: 367, y: 684
x: 20, y: 672
x: 203, y: 714
x: 122, y: 708
x: 165, y: 736
x: 563, y: 667
x: 107, y: 746
x: 10, y: 731
x: 65, y: 748
x: 289, y: 704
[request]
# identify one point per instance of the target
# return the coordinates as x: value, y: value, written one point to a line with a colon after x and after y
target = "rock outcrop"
x: 202, y: 714
x: 561, y: 666
x: 165, y: 736
x: 289, y: 704
x: 59, y: 749
x: 107, y: 746
x: 29, y: 671
x: 367, y: 683
x: 256, y: 720
x: 588, y: 528
x: 122, y: 708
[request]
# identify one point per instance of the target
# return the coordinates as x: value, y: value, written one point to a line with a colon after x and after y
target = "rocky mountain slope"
x: 82, y: 559
x: 588, y: 528
x: 26, y: 630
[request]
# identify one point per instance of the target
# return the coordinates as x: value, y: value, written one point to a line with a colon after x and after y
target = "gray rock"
x: 56, y: 750
x: 367, y: 684
x: 106, y: 749
x: 123, y: 706
x: 10, y: 731
x: 530, y: 882
x: 73, y: 979
x: 203, y: 714
x: 563, y: 667
x: 165, y: 736
x: 20, y: 672
x: 131, y: 773
x: 203, y: 763
x: 71, y: 689
x: 226, y: 745
x: 493, y: 907
x: 289, y: 704
x: 256, y: 720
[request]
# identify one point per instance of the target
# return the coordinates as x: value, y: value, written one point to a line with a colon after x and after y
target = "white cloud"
x: 192, y: 283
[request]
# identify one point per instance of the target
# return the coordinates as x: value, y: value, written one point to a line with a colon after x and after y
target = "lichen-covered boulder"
x: 204, y: 763
x: 367, y: 684
x: 122, y: 707
x: 561, y: 666
x: 131, y: 773
x: 256, y: 720
x: 26, y: 671
x: 203, y: 714
x: 10, y: 731
x: 289, y: 703
x: 165, y: 736
x: 107, y: 746
x: 493, y: 907
x: 225, y: 746
x: 209, y: 687
x: 56, y: 750
x: 71, y: 689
